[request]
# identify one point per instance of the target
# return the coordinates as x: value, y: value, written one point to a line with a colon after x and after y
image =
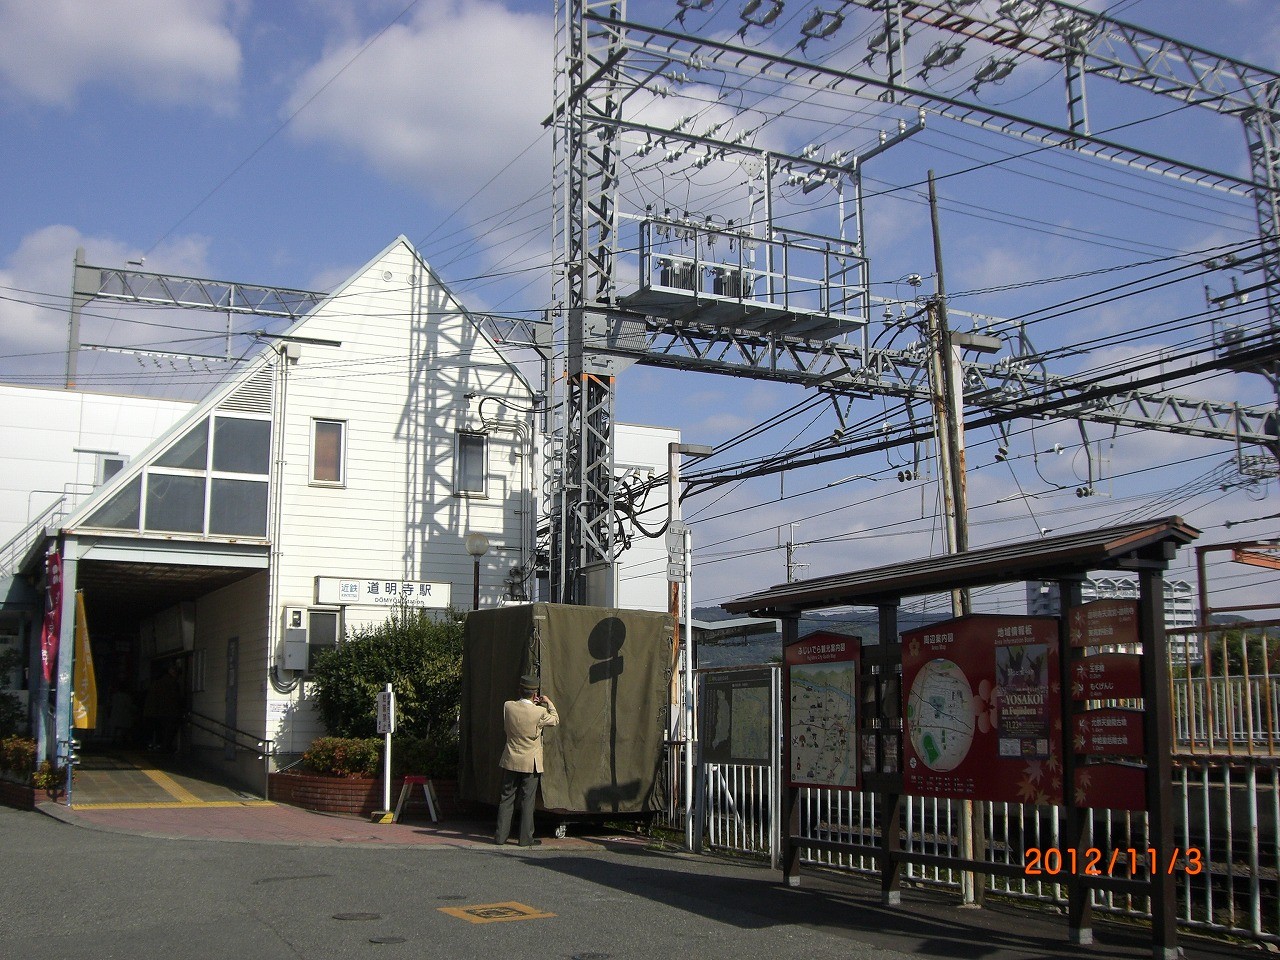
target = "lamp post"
x: 477, y: 546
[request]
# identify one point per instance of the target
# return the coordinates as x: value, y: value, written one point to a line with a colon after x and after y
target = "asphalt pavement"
x: 258, y: 881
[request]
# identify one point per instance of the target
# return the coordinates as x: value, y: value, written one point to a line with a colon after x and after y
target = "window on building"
x: 473, y: 468
x: 328, y: 451
x: 323, y: 630
x: 174, y: 503
x: 241, y: 445
x: 109, y: 464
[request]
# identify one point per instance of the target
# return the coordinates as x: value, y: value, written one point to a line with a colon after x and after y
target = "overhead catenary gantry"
x: 647, y: 277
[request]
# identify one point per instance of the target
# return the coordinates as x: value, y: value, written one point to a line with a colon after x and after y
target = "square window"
x: 174, y: 504
x: 473, y: 470
x: 328, y: 451
x: 238, y: 508
x: 108, y: 466
x: 241, y: 446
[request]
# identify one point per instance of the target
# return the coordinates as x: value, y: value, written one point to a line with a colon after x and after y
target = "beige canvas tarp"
x: 609, y: 674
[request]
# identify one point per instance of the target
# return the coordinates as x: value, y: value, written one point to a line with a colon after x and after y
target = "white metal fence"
x: 1227, y: 817
x: 1226, y: 806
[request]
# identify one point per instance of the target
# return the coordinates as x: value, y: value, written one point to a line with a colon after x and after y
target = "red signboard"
x: 820, y: 700
x: 1107, y: 676
x: 1109, y: 732
x: 1111, y: 786
x: 1104, y: 623
x: 982, y: 717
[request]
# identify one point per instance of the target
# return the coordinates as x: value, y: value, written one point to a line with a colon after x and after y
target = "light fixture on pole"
x: 477, y: 546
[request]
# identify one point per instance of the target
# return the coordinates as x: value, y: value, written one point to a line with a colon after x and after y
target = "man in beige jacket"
x: 521, y: 761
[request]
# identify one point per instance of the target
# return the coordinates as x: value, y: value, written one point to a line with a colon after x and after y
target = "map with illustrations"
x: 823, y: 722
x: 940, y: 715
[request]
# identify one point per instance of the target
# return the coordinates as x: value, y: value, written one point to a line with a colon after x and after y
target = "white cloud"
x: 35, y: 281
x: 161, y: 51
x: 444, y: 101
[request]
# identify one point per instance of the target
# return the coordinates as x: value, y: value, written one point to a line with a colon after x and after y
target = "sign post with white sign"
x: 386, y: 726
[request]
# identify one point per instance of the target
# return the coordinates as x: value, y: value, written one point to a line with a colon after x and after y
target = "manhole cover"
x: 450, y: 896
x: 591, y: 956
x: 357, y: 916
x: 386, y: 940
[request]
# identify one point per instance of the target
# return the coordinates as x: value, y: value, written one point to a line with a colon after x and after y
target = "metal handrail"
x: 263, y: 746
x: 13, y: 548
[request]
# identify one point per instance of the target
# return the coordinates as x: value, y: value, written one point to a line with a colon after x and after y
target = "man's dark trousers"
x: 526, y: 784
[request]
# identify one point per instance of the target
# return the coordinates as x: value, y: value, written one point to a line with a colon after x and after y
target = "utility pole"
x: 793, y: 567
x: 679, y: 544
x: 946, y: 389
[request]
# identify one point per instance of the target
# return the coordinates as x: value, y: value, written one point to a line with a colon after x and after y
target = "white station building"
x: 341, y: 472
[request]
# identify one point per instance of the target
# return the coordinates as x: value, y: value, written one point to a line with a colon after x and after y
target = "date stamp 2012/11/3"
x: 1122, y: 861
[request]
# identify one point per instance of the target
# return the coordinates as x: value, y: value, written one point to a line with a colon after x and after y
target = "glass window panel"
x: 238, y: 508
x: 327, y: 456
x: 322, y: 634
x: 175, y: 503
x: 189, y: 453
x: 471, y: 465
x: 241, y: 446
x: 122, y: 511
x: 108, y: 467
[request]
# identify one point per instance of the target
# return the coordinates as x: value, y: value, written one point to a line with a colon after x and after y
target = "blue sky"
x: 287, y: 143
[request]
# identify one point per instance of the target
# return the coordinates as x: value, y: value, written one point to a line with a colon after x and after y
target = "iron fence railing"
x: 1226, y: 814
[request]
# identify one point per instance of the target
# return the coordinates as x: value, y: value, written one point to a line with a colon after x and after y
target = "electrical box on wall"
x: 297, y: 645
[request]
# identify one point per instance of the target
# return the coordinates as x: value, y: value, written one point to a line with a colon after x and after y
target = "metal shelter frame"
x: 1143, y: 548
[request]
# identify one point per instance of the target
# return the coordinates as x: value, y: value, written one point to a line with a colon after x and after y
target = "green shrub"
x: 49, y: 778
x: 435, y: 759
x: 18, y: 756
x: 418, y: 652
x: 344, y: 756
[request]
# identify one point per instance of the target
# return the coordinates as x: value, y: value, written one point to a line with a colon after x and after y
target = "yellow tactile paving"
x: 132, y: 780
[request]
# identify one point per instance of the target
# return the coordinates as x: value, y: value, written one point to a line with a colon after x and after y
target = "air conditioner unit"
x: 297, y: 639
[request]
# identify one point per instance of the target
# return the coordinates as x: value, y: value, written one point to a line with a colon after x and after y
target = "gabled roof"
x: 1072, y: 555
x: 250, y: 389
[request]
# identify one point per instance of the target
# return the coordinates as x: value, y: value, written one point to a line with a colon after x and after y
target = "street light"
x: 477, y: 546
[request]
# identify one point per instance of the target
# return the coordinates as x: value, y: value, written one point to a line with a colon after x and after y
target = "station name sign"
x: 373, y: 592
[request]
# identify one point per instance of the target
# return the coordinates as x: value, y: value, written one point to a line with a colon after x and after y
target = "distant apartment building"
x: 1179, y: 606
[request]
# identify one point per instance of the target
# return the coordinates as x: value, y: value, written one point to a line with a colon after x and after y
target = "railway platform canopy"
x: 888, y: 725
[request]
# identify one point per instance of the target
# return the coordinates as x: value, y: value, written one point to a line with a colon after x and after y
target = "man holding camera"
x: 521, y: 761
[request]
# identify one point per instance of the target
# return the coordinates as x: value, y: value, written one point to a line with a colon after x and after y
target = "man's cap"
x: 530, y: 681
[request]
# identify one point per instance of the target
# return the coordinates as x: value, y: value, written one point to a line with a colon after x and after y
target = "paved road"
x: 67, y: 892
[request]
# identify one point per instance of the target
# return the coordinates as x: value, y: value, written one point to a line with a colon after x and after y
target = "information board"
x: 736, y: 715
x: 821, y: 703
x: 982, y: 718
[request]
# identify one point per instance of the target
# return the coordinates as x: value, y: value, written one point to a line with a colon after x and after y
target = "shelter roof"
x: 1128, y: 547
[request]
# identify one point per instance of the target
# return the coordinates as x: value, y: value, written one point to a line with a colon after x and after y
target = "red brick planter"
x: 20, y: 796
x: 359, y: 797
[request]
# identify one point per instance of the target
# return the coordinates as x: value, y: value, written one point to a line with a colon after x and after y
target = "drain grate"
x: 357, y: 916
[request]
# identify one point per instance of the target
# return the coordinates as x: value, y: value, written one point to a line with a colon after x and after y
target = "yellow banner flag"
x: 84, y: 685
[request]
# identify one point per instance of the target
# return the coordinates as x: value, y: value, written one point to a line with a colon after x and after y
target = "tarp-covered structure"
x: 608, y: 672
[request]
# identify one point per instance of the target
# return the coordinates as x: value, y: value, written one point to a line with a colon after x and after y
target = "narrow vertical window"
x: 473, y: 472
x: 328, y: 451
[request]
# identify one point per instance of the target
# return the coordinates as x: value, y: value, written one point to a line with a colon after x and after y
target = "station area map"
x: 823, y: 724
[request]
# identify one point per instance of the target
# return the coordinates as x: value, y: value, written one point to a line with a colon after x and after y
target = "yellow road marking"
x: 496, y: 912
